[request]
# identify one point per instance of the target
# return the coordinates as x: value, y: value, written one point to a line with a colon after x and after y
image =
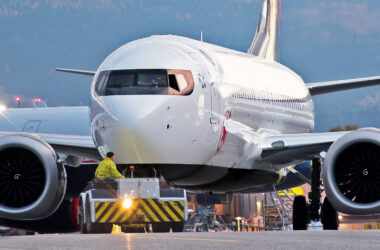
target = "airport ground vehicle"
x: 135, y: 204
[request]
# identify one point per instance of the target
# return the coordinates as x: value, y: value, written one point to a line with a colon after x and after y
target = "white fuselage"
x: 189, y: 130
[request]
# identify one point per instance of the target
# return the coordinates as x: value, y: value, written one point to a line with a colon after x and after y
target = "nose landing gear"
x: 304, y: 213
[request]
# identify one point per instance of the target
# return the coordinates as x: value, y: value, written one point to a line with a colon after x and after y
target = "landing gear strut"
x: 315, y: 193
x: 314, y: 212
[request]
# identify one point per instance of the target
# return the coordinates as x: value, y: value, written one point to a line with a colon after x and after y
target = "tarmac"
x: 262, y: 241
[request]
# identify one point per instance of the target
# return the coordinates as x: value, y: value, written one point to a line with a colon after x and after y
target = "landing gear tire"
x: 300, y: 213
x: 94, y: 228
x: 329, y: 216
x: 315, y: 194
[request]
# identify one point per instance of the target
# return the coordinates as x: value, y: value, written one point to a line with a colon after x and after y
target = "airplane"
x: 204, y: 117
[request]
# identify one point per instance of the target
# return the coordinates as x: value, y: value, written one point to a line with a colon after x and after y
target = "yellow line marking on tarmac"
x: 129, y: 245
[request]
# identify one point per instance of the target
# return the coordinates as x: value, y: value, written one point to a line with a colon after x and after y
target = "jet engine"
x: 352, y: 173
x: 32, y: 181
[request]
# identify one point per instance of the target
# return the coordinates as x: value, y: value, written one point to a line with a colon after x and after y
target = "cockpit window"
x: 152, y: 79
x: 119, y: 82
x: 144, y: 82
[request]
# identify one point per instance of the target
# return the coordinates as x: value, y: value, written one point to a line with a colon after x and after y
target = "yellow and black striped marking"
x: 141, y: 211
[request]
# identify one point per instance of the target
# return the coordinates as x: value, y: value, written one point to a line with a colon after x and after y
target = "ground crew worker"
x: 107, y: 169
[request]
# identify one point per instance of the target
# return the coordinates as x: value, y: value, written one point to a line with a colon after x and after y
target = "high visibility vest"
x: 107, y: 169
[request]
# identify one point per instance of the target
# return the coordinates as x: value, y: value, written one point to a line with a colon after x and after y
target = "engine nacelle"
x: 352, y: 173
x: 32, y: 181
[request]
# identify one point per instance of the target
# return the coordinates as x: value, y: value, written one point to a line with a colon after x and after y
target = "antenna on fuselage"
x: 201, y: 36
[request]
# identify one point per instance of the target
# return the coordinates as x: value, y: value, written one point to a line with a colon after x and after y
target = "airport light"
x: 238, y: 221
x: 3, y: 108
x: 18, y: 100
x: 127, y: 202
x: 37, y: 100
x: 259, y: 206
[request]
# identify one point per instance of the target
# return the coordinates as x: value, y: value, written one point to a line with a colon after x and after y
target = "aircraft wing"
x: 282, y: 148
x: 77, y: 71
x: 320, y: 88
x: 75, y: 145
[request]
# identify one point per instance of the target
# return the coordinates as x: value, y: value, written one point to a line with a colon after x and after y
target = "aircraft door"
x: 211, y: 103
x: 215, y: 104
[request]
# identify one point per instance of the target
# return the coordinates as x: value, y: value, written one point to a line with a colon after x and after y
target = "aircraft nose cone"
x: 131, y: 110
x: 133, y: 129
x: 153, y: 129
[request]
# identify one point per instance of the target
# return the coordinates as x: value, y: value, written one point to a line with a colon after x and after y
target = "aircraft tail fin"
x: 264, y: 43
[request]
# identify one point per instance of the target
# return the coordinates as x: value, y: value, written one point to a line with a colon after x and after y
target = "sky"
x: 320, y: 40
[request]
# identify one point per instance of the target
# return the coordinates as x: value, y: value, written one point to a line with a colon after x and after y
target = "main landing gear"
x: 304, y: 213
